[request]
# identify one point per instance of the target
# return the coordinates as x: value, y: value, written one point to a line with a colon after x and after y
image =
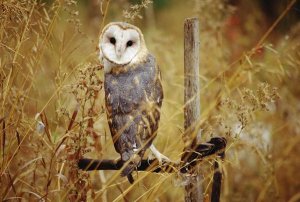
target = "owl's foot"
x: 159, y: 156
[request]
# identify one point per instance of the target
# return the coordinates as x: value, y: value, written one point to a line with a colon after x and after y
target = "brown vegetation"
x: 52, y: 110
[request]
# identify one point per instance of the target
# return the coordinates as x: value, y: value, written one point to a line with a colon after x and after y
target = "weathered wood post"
x: 193, y: 188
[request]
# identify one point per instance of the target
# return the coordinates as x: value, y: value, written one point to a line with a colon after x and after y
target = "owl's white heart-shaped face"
x: 119, y: 45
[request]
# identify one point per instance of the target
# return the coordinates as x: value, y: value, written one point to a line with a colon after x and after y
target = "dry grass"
x: 52, y: 110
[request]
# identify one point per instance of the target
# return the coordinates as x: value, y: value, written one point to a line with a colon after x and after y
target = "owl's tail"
x: 127, y: 172
x: 132, y: 165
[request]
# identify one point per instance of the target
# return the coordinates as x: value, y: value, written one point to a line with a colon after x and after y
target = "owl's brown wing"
x: 133, y: 101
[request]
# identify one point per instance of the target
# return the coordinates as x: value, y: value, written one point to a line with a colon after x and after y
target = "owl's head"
x: 122, y: 44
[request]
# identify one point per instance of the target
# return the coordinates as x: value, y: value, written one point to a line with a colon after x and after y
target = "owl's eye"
x: 129, y: 43
x: 112, y: 40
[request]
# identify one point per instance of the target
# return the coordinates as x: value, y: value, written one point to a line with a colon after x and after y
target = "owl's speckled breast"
x: 126, y: 90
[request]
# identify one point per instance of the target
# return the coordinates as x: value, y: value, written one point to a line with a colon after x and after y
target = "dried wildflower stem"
x: 104, y: 16
x: 248, y: 55
x: 193, y: 189
x: 135, y: 10
x: 3, y: 140
x: 11, y: 72
x: 38, y: 57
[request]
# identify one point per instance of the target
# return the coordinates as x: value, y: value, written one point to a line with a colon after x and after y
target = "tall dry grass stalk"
x: 41, y: 75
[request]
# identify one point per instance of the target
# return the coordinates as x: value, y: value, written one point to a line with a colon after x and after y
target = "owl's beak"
x: 119, y: 54
x: 119, y: 51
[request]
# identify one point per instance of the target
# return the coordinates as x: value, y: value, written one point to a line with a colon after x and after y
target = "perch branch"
x: 188, y: 160
x: 217, y: 179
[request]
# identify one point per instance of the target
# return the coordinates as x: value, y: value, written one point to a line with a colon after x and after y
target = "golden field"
x: 52, y: 99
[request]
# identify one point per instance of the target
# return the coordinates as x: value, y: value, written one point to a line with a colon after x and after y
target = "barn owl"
x: 133, y: 93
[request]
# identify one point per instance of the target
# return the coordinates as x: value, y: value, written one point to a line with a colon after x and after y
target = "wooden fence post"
x: 193, y: 188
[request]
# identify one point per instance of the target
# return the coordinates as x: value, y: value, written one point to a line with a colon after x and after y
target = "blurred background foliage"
x: 52, y: 109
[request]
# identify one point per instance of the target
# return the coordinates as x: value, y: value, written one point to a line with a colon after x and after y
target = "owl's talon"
x: 148, y: 160
x: 162, y: 159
